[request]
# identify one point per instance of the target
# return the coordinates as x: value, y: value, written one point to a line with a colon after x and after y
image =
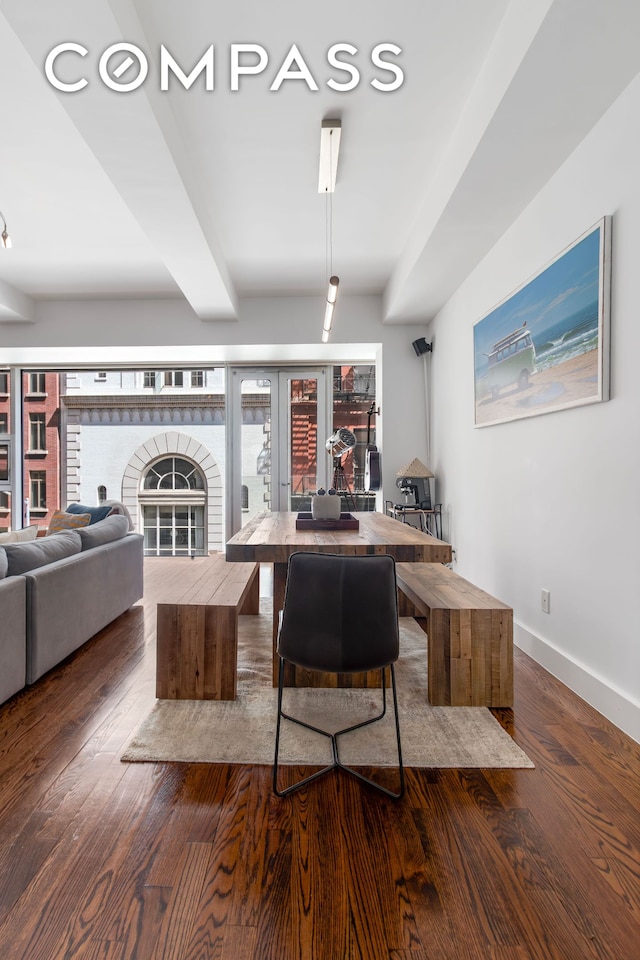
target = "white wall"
x: 553, y: 501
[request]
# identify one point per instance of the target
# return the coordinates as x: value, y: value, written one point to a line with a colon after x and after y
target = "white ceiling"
x: 212, y: 196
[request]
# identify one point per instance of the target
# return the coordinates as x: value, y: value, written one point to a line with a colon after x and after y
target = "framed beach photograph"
x: 546, y: 346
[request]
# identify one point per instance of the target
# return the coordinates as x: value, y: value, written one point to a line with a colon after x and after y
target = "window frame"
x: 37, y: 384
x: 158, y: 489
x: 37, y: 430
x: 38, y: 482
x: 195, y: 527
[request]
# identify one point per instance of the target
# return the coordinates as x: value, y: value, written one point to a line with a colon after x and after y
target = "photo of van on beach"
x: 546, y: 347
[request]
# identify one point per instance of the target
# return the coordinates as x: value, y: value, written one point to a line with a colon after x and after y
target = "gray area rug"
x: 243, y: 731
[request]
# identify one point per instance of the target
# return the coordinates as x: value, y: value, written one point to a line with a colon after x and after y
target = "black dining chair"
x: 340, y: 615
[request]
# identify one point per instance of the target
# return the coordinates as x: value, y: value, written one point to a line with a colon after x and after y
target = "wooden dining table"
x: 271, y: 537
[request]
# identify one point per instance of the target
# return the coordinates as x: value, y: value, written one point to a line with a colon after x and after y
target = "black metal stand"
x: 430, y: 520
x: 341, y: 484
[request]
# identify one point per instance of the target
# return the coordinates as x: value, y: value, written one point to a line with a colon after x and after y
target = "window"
x: 197, y: 378
x: 354, y: 407
x: 37, y: 432
x: 37, y: 383
x: 4, y: 382
x: 174, y: 473
x: 173, y: 530
x: 101, y: 375
x: 149, y: 379
x: 5, y: 460
x: 173, y: 378
x: 245, y: 497
x: 173, y: 509
x: 4, y: 423
x: 102, y: 493
x: 38, y: 489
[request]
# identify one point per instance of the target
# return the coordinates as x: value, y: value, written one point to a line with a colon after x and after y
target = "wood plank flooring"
x: 101, y: 860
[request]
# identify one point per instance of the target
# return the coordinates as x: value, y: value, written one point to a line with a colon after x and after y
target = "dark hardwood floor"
x: 102, y: 860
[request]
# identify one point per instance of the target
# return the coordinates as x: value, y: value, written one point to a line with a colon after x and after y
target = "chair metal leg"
x: 359, y: 776
x: 313, y: 776
x: 336, y: 762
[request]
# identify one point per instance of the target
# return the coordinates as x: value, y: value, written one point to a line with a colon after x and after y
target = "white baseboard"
x: 616, y: 706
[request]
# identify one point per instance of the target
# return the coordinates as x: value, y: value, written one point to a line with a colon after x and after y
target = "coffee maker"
x: 416, y: 491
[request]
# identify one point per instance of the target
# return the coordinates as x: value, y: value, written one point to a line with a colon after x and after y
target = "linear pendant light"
x: 332, y: 296
x: 329, y: 147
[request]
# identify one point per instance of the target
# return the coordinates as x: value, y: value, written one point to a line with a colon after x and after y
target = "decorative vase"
x: 325, y: 506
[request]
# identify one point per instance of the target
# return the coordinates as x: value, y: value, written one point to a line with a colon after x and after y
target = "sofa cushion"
x: 22, y: 557
x: 67, y: 521
x: 118, y: 507
x: 96, y: 513
x: 111, y: 528
x: 20, y: 536
x: 4, y: 563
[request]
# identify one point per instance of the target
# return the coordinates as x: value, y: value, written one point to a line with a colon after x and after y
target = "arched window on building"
x: 102, y: 493
x: 245, y: 496
x: 173, y: 501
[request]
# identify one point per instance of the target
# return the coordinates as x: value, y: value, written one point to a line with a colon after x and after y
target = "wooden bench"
x: 197, y: 626
x: 469, y: 636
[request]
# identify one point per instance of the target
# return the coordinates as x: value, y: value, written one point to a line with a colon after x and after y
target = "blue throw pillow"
x: 96, y: 513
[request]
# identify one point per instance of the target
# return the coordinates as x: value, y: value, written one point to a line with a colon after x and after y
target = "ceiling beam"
x: 554, y: 68
x: 134, y: 138
x: 15, y: 306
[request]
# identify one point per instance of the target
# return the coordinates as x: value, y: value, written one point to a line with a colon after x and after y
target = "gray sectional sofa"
x: 58, y: 591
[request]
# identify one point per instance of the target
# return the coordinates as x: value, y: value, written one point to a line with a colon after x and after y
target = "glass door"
x: 277, y: 437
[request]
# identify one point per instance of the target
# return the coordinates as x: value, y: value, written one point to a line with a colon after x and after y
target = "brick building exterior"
x: 5, y: 427
x: 41, y: 445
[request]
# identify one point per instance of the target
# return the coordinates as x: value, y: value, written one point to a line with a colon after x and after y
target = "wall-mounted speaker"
x: 421, y: 347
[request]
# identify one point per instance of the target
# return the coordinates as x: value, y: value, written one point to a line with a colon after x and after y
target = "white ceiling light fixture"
x: 329, y: 147
x: 6, y: 239
x: 332, y: 296
x: 330, y: 133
